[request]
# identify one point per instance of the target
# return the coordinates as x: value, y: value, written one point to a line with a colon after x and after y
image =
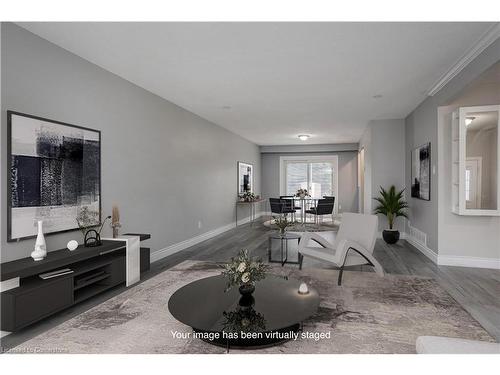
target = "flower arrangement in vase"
x: 243, y: 271
x: 302, y: 193
x: 283, y: 223
x: 247, y: 196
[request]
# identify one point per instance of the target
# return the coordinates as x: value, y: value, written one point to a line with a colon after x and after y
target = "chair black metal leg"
x: 339, y: 281
x: 301, y: 259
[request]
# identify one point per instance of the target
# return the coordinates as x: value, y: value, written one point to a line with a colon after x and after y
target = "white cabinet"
x: 475, y: 161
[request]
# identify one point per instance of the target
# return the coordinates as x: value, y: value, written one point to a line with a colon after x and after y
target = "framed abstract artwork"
x: 245, y: 178
x: 54, y: 170
x: 421, y: 172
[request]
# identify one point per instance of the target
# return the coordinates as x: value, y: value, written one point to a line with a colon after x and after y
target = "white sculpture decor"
x: 72, y: 245
x: 40, y: 251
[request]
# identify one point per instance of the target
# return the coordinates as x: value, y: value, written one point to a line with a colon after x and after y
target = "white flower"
x: 246, y: 277
x: 242, y: 267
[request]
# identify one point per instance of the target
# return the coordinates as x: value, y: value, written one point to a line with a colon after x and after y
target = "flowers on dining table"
x: 243, y: 269
x: 302, y: 193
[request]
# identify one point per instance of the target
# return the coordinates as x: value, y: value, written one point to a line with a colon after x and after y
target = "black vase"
x: 247, y: 289
x: 390, y: 236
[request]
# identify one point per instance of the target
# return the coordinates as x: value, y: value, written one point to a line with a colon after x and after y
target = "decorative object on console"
x: 421, y: 172
x: 40, y: 251
x: 54, y: 172
x: 392, y: 205
x: 248, y: 197
x: 243, y: 271
x: 115, y: 220
x: 302, y: 193
x: 72, y: 245
x: 245, y: 178
x: 93, y: 237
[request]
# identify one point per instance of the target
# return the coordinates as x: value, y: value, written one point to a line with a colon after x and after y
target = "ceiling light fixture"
x: 468, y: 120
x: 304, y: 137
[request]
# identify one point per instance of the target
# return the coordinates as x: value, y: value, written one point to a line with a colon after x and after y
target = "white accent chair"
x: 353, y: 245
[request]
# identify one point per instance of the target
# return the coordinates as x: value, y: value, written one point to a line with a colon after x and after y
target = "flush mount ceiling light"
x: 304, y: 137
x: 468, y: 120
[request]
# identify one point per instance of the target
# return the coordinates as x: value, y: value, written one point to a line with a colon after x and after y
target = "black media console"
x: 95, y: 269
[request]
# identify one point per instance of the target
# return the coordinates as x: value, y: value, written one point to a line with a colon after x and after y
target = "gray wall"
x: 422, y: 127
x: 384, y: 144
x: 165, y: 167
x: 348, y: 177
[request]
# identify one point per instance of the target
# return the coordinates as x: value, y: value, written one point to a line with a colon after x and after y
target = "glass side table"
x: 283, y: 247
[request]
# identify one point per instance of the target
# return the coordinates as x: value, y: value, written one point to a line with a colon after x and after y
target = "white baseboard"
x: 175, y: 248
x: 428, y: 252
x: 465, y: 261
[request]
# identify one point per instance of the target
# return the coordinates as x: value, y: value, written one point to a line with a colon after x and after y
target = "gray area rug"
x: 367, y: 314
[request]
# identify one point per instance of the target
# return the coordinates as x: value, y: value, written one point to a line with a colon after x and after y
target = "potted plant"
x: 302, y: 193
x: 283, y: 223
x: 392, y: 205
x: 244, y: 272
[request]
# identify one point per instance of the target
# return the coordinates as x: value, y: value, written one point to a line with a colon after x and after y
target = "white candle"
x: 303, y: 289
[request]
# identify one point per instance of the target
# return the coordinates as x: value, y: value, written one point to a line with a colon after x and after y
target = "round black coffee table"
x: 271, y: 315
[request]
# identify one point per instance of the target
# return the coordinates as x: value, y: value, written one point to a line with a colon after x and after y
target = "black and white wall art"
x: 421, y: 172
x: 245, y: 178
x: 54, y: 171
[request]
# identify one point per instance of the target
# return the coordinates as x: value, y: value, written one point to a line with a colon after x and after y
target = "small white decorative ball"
x: 72, y: 245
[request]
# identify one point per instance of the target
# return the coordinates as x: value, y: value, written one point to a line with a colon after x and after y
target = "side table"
x: 283, y: 247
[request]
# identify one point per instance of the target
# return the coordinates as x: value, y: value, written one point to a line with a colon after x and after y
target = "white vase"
x: 40, y: 251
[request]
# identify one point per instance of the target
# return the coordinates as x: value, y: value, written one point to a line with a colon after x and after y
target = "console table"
x: 95, y: 269
x: 253, y: 211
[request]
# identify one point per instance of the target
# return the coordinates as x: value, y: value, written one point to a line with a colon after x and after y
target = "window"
x: 317, y: 174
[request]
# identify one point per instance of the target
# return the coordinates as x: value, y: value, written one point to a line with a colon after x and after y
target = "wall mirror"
x: 478, y: 160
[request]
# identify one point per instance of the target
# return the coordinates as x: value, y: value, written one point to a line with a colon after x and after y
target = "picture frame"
x: 245, y: 178
x: 53, y: 170
x: 421, y: 172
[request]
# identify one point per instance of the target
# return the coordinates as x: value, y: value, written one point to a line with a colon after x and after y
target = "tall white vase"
x: 40, y: 251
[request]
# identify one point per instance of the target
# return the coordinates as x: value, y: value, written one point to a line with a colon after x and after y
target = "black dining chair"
x: 280, y: 207
x: 290, y: 203
x: 324, y: 207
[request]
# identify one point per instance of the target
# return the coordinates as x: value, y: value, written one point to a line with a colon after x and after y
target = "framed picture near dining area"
x: 245, y: 178
x: 420, y: 172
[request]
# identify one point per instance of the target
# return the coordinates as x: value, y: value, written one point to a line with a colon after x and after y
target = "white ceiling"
x: 269, y: 82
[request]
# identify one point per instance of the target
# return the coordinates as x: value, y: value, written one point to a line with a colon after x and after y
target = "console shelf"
x: 95, y: 270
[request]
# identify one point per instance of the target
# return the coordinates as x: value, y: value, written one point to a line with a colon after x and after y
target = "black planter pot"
x: 390, y: 236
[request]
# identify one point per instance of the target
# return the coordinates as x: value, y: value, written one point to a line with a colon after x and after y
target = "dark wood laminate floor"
x: 477, y: 290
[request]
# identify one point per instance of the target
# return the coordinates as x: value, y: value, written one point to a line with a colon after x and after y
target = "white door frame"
x: 334, y: 159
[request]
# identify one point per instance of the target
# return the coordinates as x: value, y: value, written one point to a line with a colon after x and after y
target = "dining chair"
x: 279, y: 206
x: 323, y: 207
x: 290, y: 203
